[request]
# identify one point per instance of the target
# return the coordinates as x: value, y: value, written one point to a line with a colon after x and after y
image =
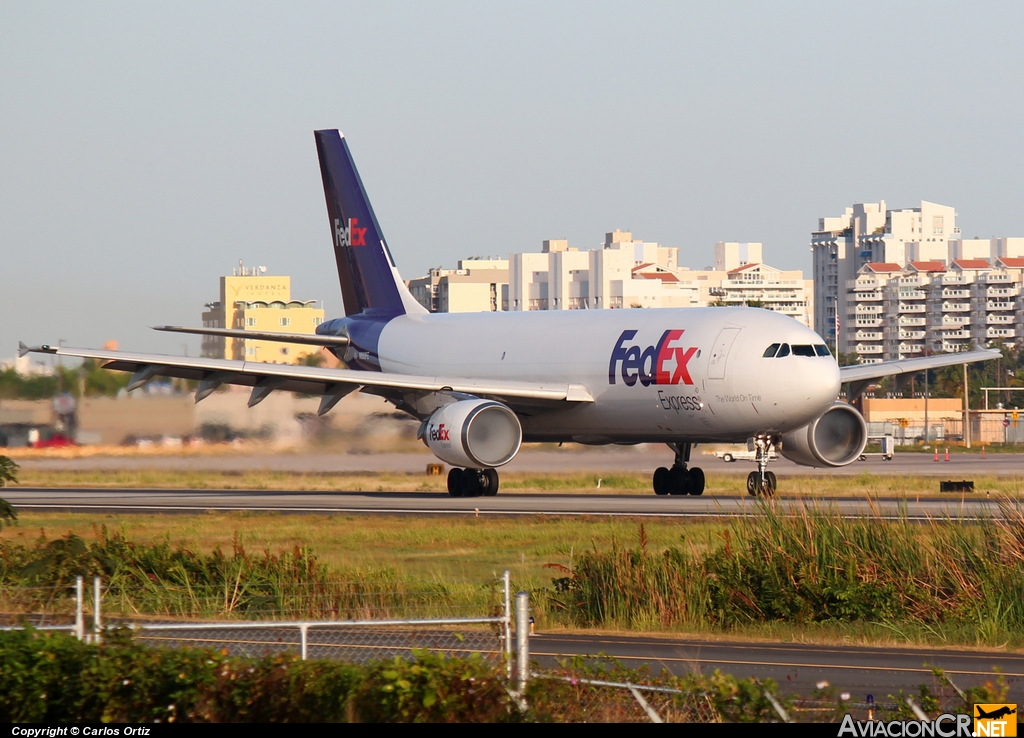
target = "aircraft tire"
x: 490, y: 476
x: 471, y: 483
x: 680, y: 481
x: 455, y: 482
x: 770, y: 484
x: 752, y: 484
x: 696, y: 481
x: 662, y: 481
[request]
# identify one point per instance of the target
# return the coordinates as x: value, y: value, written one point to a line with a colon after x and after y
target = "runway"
x: 641, y: 459
x: 160, y: 501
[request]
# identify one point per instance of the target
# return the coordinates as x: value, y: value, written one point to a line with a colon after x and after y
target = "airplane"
x: 995, y: 714
x: 482, y: 384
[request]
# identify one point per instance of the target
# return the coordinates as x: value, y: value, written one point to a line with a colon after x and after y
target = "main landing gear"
x: 472, y: 482
x: 679, y: 480
x: 762, y: 482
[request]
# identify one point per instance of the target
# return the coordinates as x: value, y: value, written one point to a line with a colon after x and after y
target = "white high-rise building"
x: 902, y: 282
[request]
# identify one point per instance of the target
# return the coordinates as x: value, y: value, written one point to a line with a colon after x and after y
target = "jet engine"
x: 479, y: 434
x: 837, y: 438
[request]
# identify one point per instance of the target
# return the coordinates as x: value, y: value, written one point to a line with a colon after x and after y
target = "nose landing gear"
x: 679, y: 480
x: 762, y: 482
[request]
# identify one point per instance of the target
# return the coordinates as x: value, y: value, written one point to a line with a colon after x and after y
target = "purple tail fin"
x: 369, y: 279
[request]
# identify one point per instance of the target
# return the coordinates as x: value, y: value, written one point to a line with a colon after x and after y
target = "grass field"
x: 471, y: 552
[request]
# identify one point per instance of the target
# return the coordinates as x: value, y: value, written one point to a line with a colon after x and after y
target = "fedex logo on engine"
x: 350, y: 234
x: 439, y: 432
x: 663, y: 363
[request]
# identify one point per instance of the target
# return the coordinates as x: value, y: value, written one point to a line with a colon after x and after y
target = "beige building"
x: 478, y: 285
x: 624, y: 273
x: 251, y: 299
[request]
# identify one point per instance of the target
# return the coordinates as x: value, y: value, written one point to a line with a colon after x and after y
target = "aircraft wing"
x: 303, y: 338
x: 330, y: 384
x: 861, y: 375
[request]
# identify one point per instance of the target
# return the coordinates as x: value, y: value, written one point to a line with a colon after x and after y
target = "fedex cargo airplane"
x: 481, y: 384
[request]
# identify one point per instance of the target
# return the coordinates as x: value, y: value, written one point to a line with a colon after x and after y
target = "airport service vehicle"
x: 481, y: 384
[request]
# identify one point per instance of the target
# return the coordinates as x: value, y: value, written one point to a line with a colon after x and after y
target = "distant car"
x: 57, y: 440
x: 741, y: 455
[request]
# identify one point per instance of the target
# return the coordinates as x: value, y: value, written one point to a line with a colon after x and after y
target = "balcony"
x: 910, y: 307
x: 912, y: 335
x: 999, y: 306
x: 868, y: 322
x: 1000, y: 333
x: 867, y: 348
x: 1002, y: 292
x: 949, y: 333
x: 956, y: 307
x: 904, y: 320
x: 869, y: 335
x: 1000, y: 319
x: 873, y: 296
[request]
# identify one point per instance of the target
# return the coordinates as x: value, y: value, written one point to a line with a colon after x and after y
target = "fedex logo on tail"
x: 349, y: 234
x: 662, y: 363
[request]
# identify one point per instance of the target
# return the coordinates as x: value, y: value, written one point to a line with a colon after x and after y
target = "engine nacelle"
x: 479, y: 434
x: 837, y: 438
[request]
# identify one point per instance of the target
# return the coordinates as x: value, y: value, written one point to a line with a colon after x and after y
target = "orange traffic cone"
x: 983, y: 452
x: 936, y: 453
x: 947, y: 453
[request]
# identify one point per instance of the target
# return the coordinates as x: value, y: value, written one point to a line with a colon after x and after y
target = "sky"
x: 146, y: 148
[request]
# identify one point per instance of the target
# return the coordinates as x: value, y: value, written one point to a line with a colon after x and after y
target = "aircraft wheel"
x: 752, y: 484
x: 490, y: 487
x: 680, y: 481
x: 456, y: 482
x: 662, y: 481
x: 471, y: 485
x: 696, y: 481
x: 770, y: 484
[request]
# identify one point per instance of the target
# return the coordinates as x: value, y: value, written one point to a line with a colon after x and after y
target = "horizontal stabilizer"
x: 308, y: 339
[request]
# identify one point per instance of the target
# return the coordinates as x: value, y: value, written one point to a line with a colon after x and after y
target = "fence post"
x: 304, y: 632
x: 96, y: 625
x: 522, y: 640
x: 507, y: 625
x: 79, y: 608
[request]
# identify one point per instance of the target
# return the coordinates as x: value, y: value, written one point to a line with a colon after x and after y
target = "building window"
x: 250, y: 322
x: 285, y: 322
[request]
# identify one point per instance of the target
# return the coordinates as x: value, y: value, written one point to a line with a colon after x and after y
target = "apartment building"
x: 904, y: 282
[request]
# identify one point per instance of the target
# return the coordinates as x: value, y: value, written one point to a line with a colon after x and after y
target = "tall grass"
x: 814, y: 567
x: 158, y: 579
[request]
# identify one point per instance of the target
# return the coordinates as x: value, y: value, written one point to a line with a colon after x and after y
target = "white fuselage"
x: 693, y: 374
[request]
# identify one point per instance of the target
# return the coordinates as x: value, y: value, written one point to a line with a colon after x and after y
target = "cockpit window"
x: 822, y: 349
x: 784, y: 351
x: 770, y: 352
x: 803, y: 349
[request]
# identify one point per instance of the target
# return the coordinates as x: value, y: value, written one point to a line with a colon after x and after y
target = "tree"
x: 8, y: 473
